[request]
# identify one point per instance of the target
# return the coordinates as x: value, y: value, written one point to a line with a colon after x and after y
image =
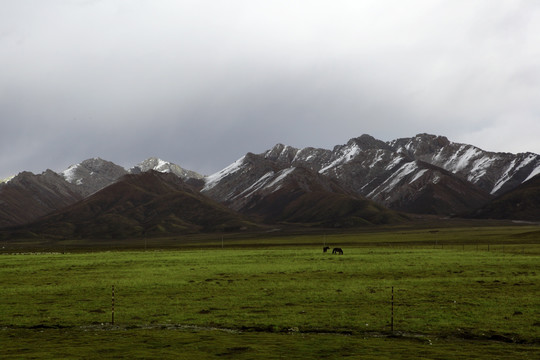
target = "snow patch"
x: 6, y: 180
x: 449, y: 164
x: 162, y: 165
x: 504, y: 178
x: 214, y: 179
x: 281, y: 175
x: 533, y: 173
x: 395, y: 178
x: 394, y: 162
x: 347, y: 156
x: 378, y: 157
x: 438, y: 156
x: 465, y: 159
x: 480, y: 168
x: 525, y: 162
x: 418, y: 175
x: 70, y: 173
x: 256, y: 185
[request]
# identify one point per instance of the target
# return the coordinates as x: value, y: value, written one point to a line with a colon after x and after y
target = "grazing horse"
x: 325, y: 249
x: 337, y: 251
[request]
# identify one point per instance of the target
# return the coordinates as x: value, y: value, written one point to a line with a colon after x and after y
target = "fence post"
x: 392, y: 318
x: 112, y: 306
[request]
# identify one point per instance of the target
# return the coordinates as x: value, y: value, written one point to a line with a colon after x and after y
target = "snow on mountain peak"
x: 70, y: 174
x: 6, y: 180
x: 214, y: 179
x: 157, y: 164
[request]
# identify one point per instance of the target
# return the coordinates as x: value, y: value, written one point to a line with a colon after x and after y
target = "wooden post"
x: 392, y: 318
x: 112, y: 306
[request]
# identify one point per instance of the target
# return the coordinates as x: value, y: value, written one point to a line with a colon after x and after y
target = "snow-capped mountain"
x: 27, y: 196
x: 93, y: 174
x: 496, y: 173
x: 159, y: 165
x: 346, y: 185
x: 255, y: 176
x: 425, y: 174
x: 275, y: 192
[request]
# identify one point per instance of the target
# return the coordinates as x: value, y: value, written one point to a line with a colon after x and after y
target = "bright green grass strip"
x: 437, y: 291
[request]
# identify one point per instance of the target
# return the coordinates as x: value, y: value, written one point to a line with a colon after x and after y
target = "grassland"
x: 458, y: 293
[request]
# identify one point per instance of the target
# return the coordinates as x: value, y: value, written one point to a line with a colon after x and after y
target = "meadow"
x: 409, y: 293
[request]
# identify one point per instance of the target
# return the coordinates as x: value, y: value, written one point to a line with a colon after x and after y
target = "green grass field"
x: 458, y: 293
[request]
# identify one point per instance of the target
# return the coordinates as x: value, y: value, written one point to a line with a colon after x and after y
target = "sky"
x: 200, y: 83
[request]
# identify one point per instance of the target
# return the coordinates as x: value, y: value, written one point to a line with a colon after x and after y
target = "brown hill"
x: 27, y: 197
x: 150, y: 204
x: 306, y: 197
x: 522, y: 203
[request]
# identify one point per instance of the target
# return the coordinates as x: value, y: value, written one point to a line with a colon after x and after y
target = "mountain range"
x: 147, y: 204
x: 365, y: 181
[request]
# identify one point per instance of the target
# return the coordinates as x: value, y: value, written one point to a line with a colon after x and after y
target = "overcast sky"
x: 200, y: 83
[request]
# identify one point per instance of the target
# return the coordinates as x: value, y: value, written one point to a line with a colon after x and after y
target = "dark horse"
x: 325, y: 249
x: 337, y: 251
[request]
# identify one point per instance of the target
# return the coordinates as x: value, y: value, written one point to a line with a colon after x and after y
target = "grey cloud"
x: 201, y: 83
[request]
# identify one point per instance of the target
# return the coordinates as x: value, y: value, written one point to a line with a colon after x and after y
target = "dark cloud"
x: 200, y: 83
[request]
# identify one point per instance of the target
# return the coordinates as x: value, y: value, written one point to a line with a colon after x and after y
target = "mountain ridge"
x: 424, y: 174
x: 150, y: 203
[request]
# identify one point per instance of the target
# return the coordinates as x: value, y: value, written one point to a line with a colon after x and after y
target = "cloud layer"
x: 200, y: 83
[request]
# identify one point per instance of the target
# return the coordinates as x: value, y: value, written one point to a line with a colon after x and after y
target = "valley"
x: 279, y: 296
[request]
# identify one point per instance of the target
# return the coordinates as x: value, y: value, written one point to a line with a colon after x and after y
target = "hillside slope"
x: 521, y: 203
x: 364, y: 167
x: 27, y: 196
x: 150, y: 203
x: 259, y: 186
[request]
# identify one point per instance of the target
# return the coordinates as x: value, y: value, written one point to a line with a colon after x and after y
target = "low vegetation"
x: 469, y: 292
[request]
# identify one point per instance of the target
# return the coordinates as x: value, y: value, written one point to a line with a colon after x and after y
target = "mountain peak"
x: 93, y: 174
x: 157, y: 164
x: 419, y: 144
x: 366, y: 142
x: 281, y: 153
x: 152, y: 163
